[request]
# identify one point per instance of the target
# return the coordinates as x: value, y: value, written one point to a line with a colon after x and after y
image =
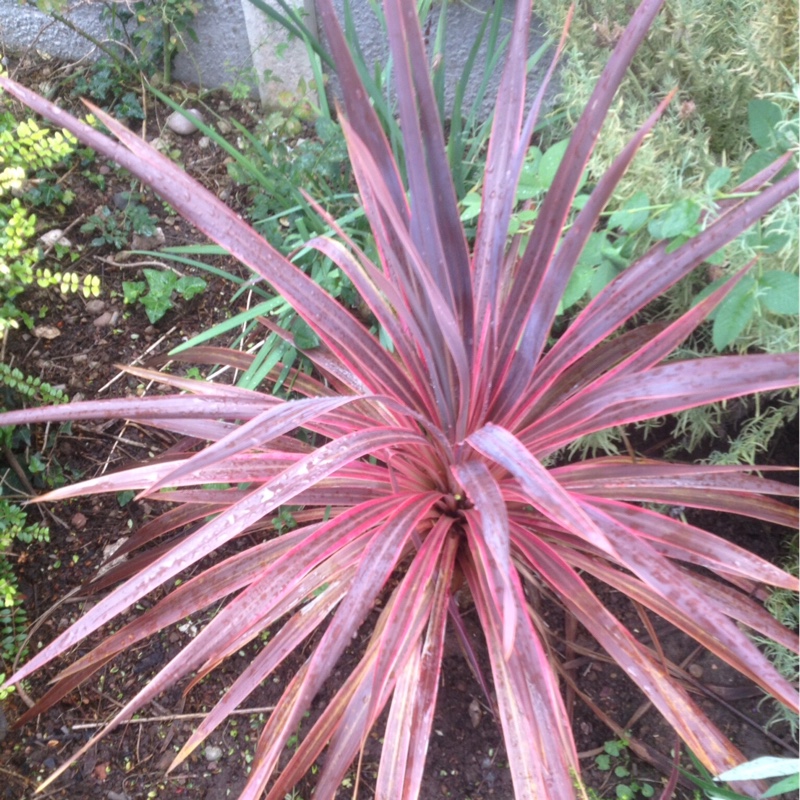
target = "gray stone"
x: 139, y: 242
x: 104, y: 320
x: 179, y: 124
x: 95, y: 306
x: 213, y: 753
x: 56, y: 236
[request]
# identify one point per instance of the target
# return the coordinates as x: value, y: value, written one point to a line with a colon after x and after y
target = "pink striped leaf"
x: 700, y: 735
x: 536, y: 729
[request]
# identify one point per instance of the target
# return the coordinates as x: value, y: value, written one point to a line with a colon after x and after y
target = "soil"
x: 466, y: 758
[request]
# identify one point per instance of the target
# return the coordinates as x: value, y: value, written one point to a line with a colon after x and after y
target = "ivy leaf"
x: 156, y: 306
x: 576, y: 288
x: 304, y: 335
x: 529, y: 185
x: 759, y: 160
x: 161, y: 282
x: 132, y: 291
x: 189, y: 286
x: 550, y: 162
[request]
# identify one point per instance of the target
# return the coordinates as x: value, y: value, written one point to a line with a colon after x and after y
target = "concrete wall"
x: 463, y: 24
x: 236, y: 41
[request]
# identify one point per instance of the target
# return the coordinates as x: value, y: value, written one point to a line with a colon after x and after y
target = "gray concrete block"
x: 236, y: 42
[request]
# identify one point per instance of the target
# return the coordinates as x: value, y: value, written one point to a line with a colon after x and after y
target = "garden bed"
x: 81, y: 352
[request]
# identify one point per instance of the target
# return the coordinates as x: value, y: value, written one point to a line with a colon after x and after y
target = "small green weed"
x: 156, y: 293
x: 14, y: 529
x: 115, y: 228
x: 616, y: 759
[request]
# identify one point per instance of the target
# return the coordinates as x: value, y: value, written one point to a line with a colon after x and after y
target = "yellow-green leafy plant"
x: 28, y: 155
x: 16, y: 530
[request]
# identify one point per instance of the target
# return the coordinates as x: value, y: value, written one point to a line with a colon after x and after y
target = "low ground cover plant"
x: 29, y: 156
x: 16, y: 483
x: 432, y: 461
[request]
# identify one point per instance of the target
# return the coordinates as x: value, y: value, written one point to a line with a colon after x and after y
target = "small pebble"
x: 204, y: 142
x: 224, y: 127
x: 213, y: 753
x: 56, y: 236
x: 78, y: 521
x: 139, y: 242
x: 105, y: 319
x: 95, y: 306
x: 474, y: 711
x: 46, y: 332
x: 696, y: 671
x: 122, y: 200
x: 179, y: 124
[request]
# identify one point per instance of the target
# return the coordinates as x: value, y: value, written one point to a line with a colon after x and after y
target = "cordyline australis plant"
x: 429, y: 465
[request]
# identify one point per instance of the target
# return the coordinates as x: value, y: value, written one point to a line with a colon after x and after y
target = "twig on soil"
x: 137, y: 360
x: 239, y: 712
x: 48, y: 249
x: 17, y: 776
x: 131, y: 264
x: 105, y: 435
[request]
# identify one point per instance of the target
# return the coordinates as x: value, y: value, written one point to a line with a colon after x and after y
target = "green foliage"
x: 759, y: 769
x: 15, y: 529
x: 738, y: 112
x: 752, y: 439
x: 735, y: 64
x: 33, y: 389
x: 115, y: 228
x: 106, y: 83
x: 616, y: 758
x: 17, y: 388
x: 156, y: 294
x: 29, y: 154
x: 154, y: 30
x: 274, y: 167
